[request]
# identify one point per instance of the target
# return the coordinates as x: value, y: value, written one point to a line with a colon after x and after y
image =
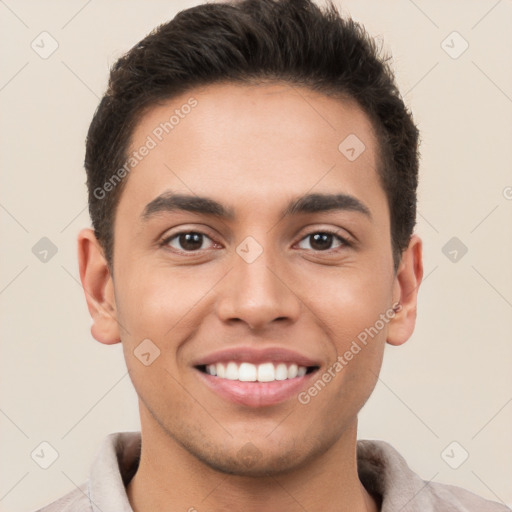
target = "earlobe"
x: 407, y: 282
x: 98, y: 287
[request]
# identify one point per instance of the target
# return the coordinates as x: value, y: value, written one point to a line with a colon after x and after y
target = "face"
x: 253, y: 255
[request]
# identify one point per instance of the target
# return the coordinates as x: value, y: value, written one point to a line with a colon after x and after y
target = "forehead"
x: 258, y: 142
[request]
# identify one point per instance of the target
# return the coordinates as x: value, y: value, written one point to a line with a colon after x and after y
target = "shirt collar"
x: 113, y: 468
x: 382, y: 470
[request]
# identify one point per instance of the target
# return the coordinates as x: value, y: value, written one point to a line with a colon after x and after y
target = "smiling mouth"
x: 248, y: 372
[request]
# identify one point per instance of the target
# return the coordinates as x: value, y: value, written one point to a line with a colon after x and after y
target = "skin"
x: 248, y: 146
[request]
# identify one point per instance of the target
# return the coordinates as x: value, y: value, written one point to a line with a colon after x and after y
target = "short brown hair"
x: 245, y: 42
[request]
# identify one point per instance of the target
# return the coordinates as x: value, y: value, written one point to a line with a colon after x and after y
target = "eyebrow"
x: 309, y: 203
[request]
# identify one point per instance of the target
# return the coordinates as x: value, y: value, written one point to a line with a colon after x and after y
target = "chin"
x: 256, y: 465
x: 251, y: 460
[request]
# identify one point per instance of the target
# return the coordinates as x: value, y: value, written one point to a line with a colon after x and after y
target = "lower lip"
x: 256, y: 394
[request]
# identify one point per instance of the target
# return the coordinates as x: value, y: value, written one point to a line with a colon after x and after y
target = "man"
x: 252, y: 177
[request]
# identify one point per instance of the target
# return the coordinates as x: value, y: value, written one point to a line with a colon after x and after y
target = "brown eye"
x: 322, y: 241
x: 187, y: 241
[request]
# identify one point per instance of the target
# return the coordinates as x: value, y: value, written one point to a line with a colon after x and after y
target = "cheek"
x: 152, y: 300
x: 349, y: 301
x: 352, y: 308
x: 352, y: 312
x: 164, y: 305
x: 151, y: 311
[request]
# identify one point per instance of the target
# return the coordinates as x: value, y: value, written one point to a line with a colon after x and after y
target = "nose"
x: 257, y: 293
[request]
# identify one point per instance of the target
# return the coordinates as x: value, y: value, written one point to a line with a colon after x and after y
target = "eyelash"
x: 344, y: 241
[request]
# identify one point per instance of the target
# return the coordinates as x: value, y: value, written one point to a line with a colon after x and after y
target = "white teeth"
x: 281, y: 372
x: 292, y: 371
x: 232, y: 371
x: 266, y: 372
x: 221, y: 370
x: 248, y: 372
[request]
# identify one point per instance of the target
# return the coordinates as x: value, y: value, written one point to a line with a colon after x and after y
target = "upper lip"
x: 256, y: 356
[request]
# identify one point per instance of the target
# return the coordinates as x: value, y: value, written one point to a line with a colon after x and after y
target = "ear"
x: 98, y: 287
x: 405, y: 292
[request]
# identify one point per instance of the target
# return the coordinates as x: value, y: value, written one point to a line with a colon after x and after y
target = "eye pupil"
x: 321, y: 241
x: 191, y: 241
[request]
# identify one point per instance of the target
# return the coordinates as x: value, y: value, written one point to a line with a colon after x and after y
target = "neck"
x: 170, y: 478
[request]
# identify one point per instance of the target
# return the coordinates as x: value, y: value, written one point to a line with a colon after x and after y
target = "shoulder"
x: 76, y: 500
x: 385, y: 473
x: 460, y: 499
x: 114, y: 465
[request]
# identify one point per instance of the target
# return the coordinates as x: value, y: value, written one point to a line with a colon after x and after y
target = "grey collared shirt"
x: 382, y: 470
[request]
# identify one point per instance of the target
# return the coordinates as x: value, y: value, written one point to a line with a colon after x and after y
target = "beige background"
x: 451, y: 382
